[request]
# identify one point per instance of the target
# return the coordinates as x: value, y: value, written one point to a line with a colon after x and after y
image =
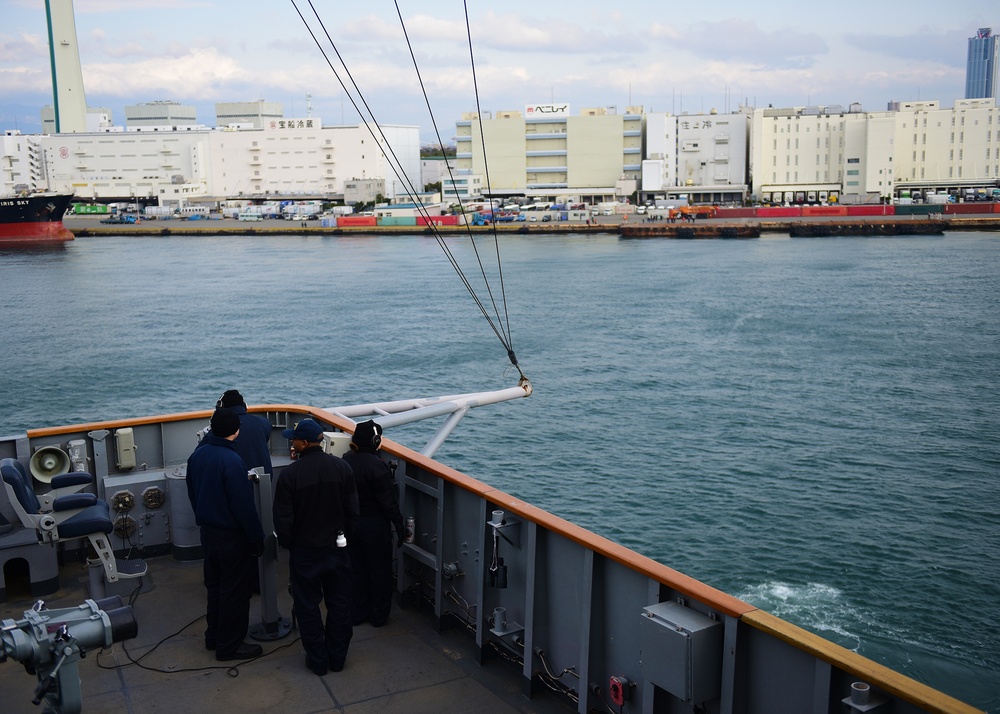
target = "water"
x: 810, y: 425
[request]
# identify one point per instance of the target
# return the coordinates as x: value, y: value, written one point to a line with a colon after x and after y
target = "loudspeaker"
x: 48, y: 462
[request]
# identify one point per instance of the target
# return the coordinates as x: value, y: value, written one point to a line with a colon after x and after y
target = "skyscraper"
x: 982, y: 70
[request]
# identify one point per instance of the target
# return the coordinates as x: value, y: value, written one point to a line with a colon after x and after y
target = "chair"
x: 64, y: 514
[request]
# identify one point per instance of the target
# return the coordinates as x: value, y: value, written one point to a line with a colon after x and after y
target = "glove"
x: 257, y: 549
x: 399, y: 537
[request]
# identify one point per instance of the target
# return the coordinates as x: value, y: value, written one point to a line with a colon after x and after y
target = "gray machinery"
x: 50, y: 643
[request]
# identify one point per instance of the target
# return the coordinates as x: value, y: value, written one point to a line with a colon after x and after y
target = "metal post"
x: 272, y: 625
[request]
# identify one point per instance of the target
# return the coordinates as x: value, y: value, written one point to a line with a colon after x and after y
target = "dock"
x: 702, y: 228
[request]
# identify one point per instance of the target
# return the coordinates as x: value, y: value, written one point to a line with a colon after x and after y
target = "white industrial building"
x: 259, y: 115
x: 190, y: 164
x: 701, y: 157
x: 867, y: 157
x: 159, y: 113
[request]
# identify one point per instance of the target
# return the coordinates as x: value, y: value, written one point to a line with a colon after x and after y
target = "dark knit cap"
x: 365, y: 435
x: 225, y: 422
x: 231, y: 398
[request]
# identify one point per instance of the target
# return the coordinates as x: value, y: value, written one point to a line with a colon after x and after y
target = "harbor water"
x: 810, y: 425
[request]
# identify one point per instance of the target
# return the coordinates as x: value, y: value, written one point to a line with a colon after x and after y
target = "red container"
x: 879, y: 210
x: 355, y: 221
x: 723, y: 212
x: 824, y: 210
x: 437, y: 220
x: 967, y: 208
x: 779, y: 212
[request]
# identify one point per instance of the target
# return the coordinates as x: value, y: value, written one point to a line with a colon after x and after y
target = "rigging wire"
x: 500, y: 327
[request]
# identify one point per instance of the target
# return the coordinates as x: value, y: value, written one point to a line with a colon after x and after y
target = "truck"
x: 692, y: 212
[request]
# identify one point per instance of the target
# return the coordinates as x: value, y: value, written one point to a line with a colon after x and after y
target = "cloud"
x: 25, y: 46
x: 743, y: 41
x: 93, y: 7
x: 200, y: 73
x: 928, y: 45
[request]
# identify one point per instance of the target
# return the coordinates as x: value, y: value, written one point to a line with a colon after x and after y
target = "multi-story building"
x: 259, y: 114
x: 435, y: 169
x: 947, y: 148
x: 161, y: 113
x: 545, y: 153
x: 788, y: 154
x: 982, y: 68
x: 182, y: 164
x: 701, y: 157
x: 799, y: 154
x: 95, y: 119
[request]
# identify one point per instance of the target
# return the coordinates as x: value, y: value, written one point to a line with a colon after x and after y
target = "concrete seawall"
x: 86, y: 226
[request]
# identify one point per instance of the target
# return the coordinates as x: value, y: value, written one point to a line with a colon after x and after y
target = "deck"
x: 405, y: 666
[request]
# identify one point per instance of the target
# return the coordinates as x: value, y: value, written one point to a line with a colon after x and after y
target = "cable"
x: 502, y: 332
x: 232, y: 670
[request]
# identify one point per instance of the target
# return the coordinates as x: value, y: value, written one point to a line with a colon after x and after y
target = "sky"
x: 663, y: 56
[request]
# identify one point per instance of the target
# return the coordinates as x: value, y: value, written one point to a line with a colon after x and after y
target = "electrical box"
x: 681, y: 651
x: 139, y: 511
x: 125, y: 448
x: 337, y: 443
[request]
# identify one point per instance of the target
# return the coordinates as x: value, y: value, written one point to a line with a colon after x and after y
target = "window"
x: 854, y: 161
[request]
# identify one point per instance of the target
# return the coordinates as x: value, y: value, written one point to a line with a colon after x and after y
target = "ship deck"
x: 405, y: 666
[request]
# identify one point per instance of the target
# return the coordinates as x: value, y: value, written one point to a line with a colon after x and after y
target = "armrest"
x: 74, y: 501
x: 76, y: 478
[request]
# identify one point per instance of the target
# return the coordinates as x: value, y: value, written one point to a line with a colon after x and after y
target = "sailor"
x: 315, y: 507
x: 231, y: 535
x: 254, y: 442
x: 371, y: 543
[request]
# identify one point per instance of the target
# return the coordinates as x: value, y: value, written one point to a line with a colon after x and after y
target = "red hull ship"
x: 33, y: 219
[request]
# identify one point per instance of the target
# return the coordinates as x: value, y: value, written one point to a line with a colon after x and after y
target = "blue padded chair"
x: 64, y: 516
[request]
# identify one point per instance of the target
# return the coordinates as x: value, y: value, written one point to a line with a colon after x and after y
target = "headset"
x: 377, y: 437
x: 230, y: 393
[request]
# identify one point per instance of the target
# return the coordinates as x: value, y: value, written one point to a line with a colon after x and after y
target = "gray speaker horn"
x: 48, y: 462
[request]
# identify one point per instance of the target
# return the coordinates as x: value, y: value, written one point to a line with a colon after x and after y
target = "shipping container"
x: 356, y: 221
x: 437, y: 220
x: 967, y: 208
x: 158, y: 210
x: 779, y: 212
x: 723, y: 212
x: 917, y: 209
x: 397, y: 220
x: 824, y: 210
x: 871, y: 210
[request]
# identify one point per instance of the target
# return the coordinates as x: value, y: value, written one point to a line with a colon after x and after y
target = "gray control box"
x: 681, y: 651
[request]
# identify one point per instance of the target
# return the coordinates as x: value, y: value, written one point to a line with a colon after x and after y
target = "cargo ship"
x: 34, y: 219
